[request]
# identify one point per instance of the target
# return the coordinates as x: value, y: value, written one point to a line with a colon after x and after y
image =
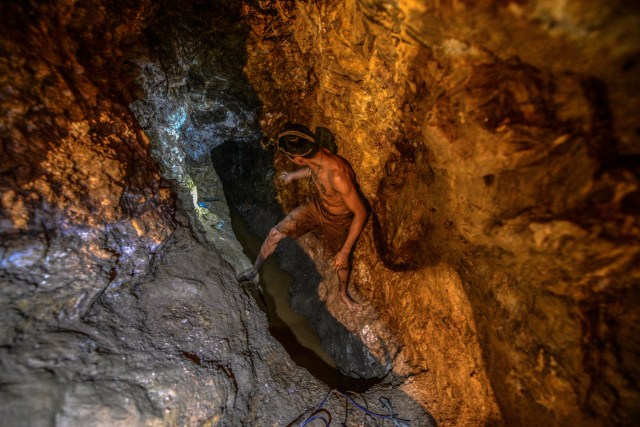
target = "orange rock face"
x: 76, y: 166
x: 496, y: 147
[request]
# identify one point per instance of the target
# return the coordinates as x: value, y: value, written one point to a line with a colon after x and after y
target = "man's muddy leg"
x: 268, y: 247
x: 343, y: 279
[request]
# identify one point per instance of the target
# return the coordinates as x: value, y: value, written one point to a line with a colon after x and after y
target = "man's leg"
x: 295, y: 224
x: 268, y: 247
x: 343, y: 279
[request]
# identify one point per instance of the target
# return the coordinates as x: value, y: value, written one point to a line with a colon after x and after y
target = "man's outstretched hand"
x: 284, y: 177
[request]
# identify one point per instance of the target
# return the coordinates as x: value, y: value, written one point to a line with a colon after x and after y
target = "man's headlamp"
x: 295, y: 133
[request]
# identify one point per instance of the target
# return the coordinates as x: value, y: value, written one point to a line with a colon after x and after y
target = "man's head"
x: 297, y: 141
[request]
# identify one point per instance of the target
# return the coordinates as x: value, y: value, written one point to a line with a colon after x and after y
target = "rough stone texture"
x: 178, y: 347
x: 495, y: 143
x: 118, y: 303
x: 493, y: 140
x: 83, y: 206
x: 195, y: 95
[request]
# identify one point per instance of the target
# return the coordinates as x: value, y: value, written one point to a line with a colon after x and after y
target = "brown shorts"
x: 313, y: 216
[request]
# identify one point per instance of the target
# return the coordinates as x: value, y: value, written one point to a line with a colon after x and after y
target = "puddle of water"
x: 290, y: 328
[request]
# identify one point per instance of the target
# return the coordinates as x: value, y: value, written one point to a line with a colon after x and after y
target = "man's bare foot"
x: 248, y: 276
x: 354, y: 306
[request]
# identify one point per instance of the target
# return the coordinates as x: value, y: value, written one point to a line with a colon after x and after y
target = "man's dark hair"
x: 297, y: 140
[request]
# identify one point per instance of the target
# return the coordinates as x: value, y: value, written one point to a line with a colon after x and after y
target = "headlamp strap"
x: 298, y: 134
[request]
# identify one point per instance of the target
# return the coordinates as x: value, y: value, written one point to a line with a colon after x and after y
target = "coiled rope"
x: 321, y: 413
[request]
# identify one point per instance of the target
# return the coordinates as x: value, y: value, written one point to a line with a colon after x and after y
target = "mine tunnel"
x: 496, y: 147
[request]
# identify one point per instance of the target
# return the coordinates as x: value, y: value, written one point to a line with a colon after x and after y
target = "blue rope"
x: 383, y: 400
x: 390, y: 416
x: 316, y: 416
x: 324, y: 400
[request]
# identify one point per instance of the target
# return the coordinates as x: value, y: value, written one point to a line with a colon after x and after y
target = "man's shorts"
x: 313, y: 216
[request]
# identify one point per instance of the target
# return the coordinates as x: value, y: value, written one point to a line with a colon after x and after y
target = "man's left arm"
x: 347, y: 189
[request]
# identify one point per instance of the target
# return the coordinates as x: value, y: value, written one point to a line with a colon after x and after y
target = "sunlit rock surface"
x: 497, y: 144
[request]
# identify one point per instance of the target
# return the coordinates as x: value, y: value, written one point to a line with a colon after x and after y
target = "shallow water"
x: 291, y: 329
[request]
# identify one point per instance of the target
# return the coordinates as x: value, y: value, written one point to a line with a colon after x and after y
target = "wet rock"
x: 195, y: 94
x: 114, y: 308
x: 180, y: 344
x: 490, y: 140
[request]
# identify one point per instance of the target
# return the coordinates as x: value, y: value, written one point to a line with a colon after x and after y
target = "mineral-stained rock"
x: 494, y: 143
x: 179, y: 347
x: 83, y: 205
x: 113, y: 310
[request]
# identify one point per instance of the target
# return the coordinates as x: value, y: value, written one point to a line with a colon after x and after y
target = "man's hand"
x: 285, y: 177
x: 340, y: 261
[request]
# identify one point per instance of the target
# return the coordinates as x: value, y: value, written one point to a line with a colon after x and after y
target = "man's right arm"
x: 287, y: 177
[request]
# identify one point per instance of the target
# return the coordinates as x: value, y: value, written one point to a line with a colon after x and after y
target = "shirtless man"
x: 337, y: 209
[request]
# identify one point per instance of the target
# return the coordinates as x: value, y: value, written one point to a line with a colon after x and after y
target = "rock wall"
x: 83, y: 205
x: 494, y: 143
x: 115, y: 307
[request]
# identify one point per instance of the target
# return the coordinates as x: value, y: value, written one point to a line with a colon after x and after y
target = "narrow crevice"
x: 246, y: 171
